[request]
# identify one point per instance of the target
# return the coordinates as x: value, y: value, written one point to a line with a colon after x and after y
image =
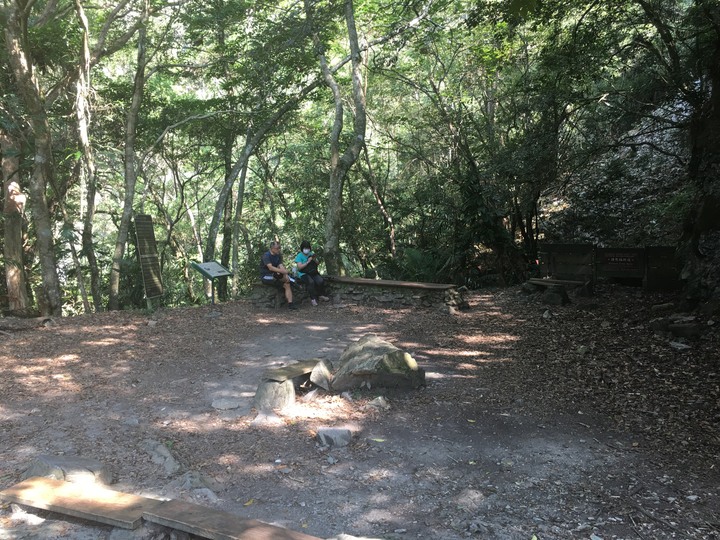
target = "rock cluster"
x: 370, y: 362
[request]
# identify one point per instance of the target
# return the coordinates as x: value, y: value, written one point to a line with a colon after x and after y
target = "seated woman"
x: 307, y: 267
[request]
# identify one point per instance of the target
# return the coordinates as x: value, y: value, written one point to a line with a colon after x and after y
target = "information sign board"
x: 211, y: 270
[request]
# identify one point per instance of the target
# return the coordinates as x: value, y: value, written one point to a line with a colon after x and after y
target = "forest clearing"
x: 576, y: 421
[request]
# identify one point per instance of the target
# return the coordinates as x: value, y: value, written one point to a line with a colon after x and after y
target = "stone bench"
x: 267, y: 296
x: 390, y: 293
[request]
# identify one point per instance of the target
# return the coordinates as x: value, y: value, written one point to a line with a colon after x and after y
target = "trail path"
x: 562, y: 423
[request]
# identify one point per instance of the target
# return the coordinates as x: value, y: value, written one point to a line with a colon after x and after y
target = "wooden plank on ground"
x: 296, y: 369
x: 217, y: 525
x: 93, y: 502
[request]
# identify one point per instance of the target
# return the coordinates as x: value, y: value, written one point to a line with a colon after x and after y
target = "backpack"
x: 311, y: 268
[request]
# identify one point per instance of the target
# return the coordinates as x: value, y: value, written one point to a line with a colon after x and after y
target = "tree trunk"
x: 251, y: 143
x: 13, y: 215
x: 260, y: 133
x: 381, y: 206
x: 43, y: 169
x: 700, y: 243
x: 130, y: 170
x: 87, y: 162
x: 222, y: 285
x: 237, y: 228
x: 341, y: 164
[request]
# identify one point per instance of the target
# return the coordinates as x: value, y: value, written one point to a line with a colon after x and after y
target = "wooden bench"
x: 391, y: 293
x: 585, y: 288
x: 390, y: 283
x: 548, y: 282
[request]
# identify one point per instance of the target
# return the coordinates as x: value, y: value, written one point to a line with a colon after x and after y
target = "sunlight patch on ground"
x: 378, y: 474
x: 197, y: 424
x: 68, y: 358
x: 259, y: 468
x: 473, y: 366
x: 317, y: 328
x: 486, y: 339
x: 379, y: 515
x: 464, y: 354
x: 328, y: 409
x: 6, y: 415
x: 444, y: 377
x: 461, y: 353
x: 106, y: 342
x: 48, y: 383
x: 493, y: 314
x: 66, y: 383
x: 114, y: 331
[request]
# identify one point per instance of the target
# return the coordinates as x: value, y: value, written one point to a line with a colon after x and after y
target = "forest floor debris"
x: 577, y: 421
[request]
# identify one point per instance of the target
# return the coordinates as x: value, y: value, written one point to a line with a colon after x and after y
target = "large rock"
x: 160, y: 454
x: 373, y: 362
x: 274, y: 395
x: 334, y: 436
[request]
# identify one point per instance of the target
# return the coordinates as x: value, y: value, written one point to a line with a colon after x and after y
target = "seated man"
x: 273, y: 272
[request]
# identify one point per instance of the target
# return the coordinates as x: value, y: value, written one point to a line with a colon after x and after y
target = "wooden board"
x: 86, y: 501
x: 217, y: 525
x: 567, y: 261
x: 620, y: 262
x: 547, y: 282
x: 390, y: 283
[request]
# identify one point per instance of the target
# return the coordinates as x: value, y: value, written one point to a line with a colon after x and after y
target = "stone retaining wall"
x: 382, y: 293
x: 396, y: 294
x: 265, y: 296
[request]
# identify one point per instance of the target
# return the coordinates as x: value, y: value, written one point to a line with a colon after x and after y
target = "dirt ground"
x: 537, y: 421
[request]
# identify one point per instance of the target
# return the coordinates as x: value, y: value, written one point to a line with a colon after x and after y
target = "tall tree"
x: 86, y: 169
x: 263, y: 67
x: 13, y: 216
x: 16, y: 41
x: 131, y: 122
x: 340, y: 164
x: 703, y: 221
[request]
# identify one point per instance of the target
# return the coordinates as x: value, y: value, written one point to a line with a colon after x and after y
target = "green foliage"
x: 490, y: 125
x: 54, y: 44
x: 416, y: 265
x: 132, y: 290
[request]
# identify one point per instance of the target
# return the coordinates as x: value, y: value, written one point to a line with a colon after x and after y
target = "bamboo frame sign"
x: 148, y: 256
